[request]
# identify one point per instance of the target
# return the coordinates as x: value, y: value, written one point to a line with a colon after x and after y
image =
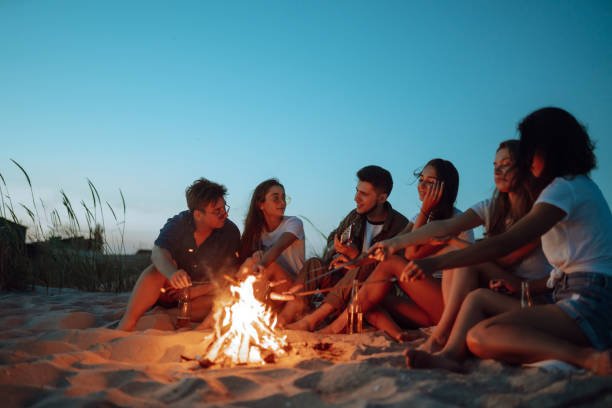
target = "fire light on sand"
x: 244, y: 329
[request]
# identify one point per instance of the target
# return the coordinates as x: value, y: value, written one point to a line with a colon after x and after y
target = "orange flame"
x: 244, y: 327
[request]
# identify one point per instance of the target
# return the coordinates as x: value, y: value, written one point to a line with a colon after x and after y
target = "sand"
x: 58, y: 349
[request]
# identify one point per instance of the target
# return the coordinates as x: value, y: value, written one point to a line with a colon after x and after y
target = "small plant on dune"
x: 63, y: 251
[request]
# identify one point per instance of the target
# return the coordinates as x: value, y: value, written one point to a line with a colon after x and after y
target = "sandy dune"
x: 58, y: 350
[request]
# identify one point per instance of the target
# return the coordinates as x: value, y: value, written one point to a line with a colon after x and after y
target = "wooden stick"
x: 291, y: 296
x: 359, y: 261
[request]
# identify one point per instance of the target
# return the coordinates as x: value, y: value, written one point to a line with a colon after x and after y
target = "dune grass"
x: 64, y: 251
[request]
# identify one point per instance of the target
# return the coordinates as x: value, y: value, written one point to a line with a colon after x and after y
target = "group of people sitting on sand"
x: 538, y: 286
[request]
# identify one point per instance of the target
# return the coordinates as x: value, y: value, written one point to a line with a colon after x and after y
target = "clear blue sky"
x: 147, y: 96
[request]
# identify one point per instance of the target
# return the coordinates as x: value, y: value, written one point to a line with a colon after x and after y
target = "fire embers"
x: 244, y: 330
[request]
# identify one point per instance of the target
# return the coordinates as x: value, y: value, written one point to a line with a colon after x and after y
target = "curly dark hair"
x: 560, y: 139
x: 203, y: 192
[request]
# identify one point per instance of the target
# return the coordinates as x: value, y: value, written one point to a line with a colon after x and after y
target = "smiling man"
x: 372, y: 220
x: 197, y: 245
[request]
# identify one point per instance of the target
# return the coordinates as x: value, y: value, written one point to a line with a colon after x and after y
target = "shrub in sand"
x: 59, y: 254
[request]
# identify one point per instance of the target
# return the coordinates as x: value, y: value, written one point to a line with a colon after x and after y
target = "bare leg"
x: 380, y: 319
x: 295, y: 309
x: 292, y: 310
x: 426, y: 298
x: 201, y: 307
x: 425, y: 293
x: 406, y: 312
x: 459, y: 282
x: 310, y: 321
x: 478, y: 305
x: 464, y: 280
x: 144, y: 295
x: 536, y: 334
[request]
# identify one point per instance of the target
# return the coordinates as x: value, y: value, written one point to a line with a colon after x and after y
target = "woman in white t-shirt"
x: 272, y: 244
x: 574, y: 222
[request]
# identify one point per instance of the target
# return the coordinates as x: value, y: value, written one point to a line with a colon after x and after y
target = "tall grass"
x: 57, y: 255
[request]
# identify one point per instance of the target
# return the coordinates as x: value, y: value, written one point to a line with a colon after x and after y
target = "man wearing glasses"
x: 197, y: 245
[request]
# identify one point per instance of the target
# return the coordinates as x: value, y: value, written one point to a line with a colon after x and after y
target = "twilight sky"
x: 147, y: 96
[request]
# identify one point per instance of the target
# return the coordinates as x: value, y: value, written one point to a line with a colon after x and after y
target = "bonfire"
x: 244, y: 330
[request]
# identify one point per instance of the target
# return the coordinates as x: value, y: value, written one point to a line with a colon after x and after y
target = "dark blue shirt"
x: 214, y: 257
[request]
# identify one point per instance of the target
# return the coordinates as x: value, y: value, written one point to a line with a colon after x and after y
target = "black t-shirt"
x: 214, y: 257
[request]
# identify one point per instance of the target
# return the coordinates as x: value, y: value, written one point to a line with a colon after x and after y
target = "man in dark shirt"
x: 372, y: 220
x: 197, y: 245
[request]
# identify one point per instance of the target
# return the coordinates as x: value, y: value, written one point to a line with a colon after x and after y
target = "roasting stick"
x: 359, y: 261
x: 291, y: 296
x: 193, y: 283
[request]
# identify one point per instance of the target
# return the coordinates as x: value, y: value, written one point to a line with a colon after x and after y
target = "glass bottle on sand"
x: 355, y: 316
x: 183, y: 317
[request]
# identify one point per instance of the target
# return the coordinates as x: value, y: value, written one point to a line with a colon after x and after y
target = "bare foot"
x: 303, y: 324
x: 432, y: 345
x: 600, y: 363
x: 421, y: 359
x: 292, y: 312
x: 408, y: 335
x: 207, y: 323
x: 331, y: 329
x: 125, y: 326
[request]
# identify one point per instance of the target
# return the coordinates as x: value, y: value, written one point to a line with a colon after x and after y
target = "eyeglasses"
x: 277, y: 199
x: 218, y: 211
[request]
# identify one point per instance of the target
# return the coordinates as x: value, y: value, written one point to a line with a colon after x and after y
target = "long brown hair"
x: 255, y: 221
x: 446, y: 172
x: 503, y: 214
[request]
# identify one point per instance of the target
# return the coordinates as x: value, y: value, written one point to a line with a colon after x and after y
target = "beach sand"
x: 57, y: 349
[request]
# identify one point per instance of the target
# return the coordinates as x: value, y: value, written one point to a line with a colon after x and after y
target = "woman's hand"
x: 502, y: 286
x: 432, y: 198
x: 415, y: 270
x: 382, y: 250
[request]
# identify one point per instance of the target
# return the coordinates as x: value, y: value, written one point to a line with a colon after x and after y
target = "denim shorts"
x: 587, y: 298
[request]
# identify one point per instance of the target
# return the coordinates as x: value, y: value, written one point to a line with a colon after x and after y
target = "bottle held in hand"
x: 345, y: 237
x: 183, y: 318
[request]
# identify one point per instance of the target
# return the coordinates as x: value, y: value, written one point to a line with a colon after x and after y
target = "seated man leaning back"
x: 372, y: 220
x: 196, y: 246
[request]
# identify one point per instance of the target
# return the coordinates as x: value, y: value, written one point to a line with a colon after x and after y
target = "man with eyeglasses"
x: 197, y: 245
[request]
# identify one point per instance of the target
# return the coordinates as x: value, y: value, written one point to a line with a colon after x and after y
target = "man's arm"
x: 163, y: 262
